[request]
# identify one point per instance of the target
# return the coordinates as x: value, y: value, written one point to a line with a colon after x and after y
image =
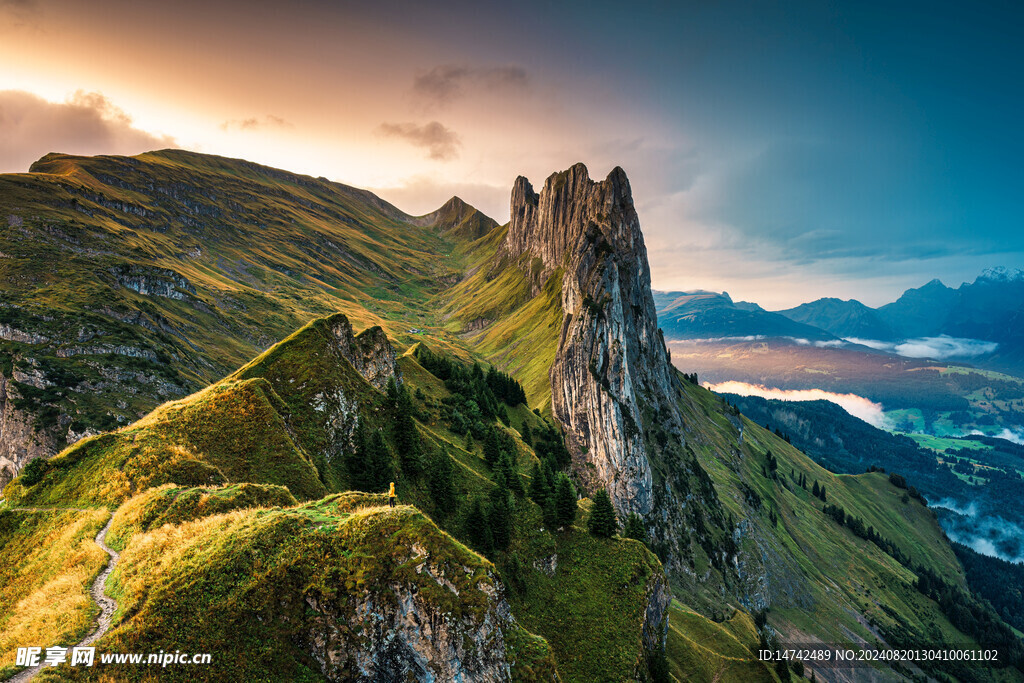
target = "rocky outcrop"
x: 436, y: 613
x: 161, y: 282
x: 369, y: 352
x: 613, y: 389
x: 655, y: 627
x: 20, y: 442
x: 402, y: 635
x: 610, y: 356
x: 9, y: 333
x: 104, y: 349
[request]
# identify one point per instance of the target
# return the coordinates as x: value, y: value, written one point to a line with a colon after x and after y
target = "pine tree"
x: 478, y: 530
x: 565, y: 502
x: 499, y: 517
x: 392, y: 391
x: 379, y: 471
x: 355, y: 460
x: 550, y: 512
x: 635, y: 528
x: 816, y: 492
x: 407, y: 437
x: 824, y: 496
x: 442, y: 488
x: 540, y: 489
x: 492, y: 447
x: 527, y: 436
x: 510, y: 469
x: 602, y: 522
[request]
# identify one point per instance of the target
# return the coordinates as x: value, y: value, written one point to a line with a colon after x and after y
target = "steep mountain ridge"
x: 842, y: 318
x: 458, y: 220
x: 612, y: 385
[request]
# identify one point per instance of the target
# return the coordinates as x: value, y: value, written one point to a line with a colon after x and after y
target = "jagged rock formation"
x: 613, y: 388
x: 370, y: 352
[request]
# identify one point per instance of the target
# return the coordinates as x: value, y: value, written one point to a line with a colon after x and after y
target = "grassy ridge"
x: 229, y: 432
x: 821, y: 578
x: 250, y: 585
x: 165, y: 271
x: 170, y: 504
x: 587, y: 597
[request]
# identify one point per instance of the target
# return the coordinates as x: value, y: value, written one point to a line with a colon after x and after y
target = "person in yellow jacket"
x: 391, y: 495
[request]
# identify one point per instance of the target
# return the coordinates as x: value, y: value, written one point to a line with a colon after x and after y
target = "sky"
x: 780, y: 151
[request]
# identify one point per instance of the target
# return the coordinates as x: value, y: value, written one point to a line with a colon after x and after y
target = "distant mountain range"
x: 985, y: 318
x: 700, y: 315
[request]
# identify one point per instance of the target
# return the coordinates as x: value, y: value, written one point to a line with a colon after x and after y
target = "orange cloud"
x: 87, y: 123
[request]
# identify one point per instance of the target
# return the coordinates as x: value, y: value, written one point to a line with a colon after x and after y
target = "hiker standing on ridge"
x: 391, y: 495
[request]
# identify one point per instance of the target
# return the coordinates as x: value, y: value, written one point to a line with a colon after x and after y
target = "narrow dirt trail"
x: 106, y: 604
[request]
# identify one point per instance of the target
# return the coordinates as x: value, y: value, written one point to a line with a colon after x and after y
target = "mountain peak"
x: 1000, y: 274
x: 456, y: 218
x: 570, y: 210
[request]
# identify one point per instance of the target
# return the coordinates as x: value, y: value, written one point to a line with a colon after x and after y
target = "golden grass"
x: 44, y: 590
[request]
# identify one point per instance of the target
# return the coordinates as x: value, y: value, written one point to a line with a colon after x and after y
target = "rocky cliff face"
x: 400, y: 635
x: 613, y: 389
x: 370, y: 352
x: 20, y: 442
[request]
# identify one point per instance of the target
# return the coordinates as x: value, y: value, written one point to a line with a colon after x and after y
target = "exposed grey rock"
x: 154, y: 282
x: 369, y: 352
x: 102, y: 349
x: 613, y: 388
x: 399, y: 633
x: 610, y: 355
x: 655, y: 626
x: 20, y: 442
x: 13, y: 334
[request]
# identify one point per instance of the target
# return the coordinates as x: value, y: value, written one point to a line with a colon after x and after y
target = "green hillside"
x: 132, y: 280
x: 253, y: 487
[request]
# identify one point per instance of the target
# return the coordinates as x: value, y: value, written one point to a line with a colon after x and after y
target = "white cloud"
x: 855, y: 405
x: 939, y: 348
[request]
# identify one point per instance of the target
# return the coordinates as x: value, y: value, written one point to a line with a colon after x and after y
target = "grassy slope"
x: 520, y: 332
x: 264, y: 250
x: 274, y: 564
x: 50, y: 562
x: 701, y: 650
x: 230, y: 432
x: 591, y: 607
x: 824, y: 581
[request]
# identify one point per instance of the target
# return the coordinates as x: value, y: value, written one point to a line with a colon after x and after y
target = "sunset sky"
x: 781, y: 151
